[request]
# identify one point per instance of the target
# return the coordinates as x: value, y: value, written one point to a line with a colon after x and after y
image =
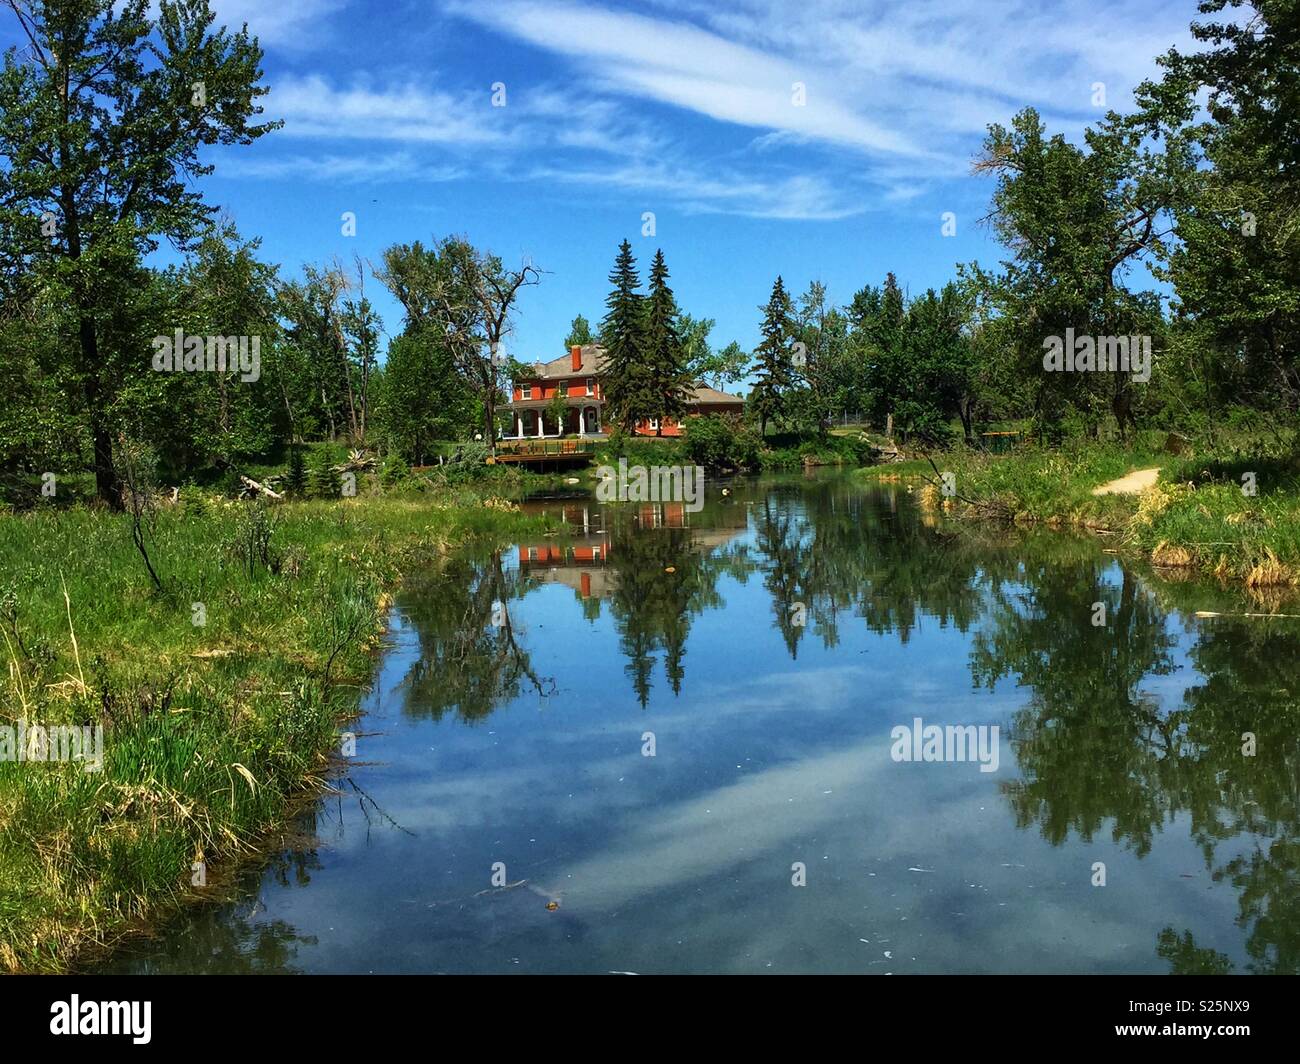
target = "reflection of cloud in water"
x: 755, y: 816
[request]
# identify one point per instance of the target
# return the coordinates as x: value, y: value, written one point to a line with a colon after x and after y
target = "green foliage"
x: 193, y: 502
x: 772, y: 359
x: 641, y: 450
x: 423, y: 398
x: 89, y: 129
x: 466, y: 296
x: 394, y: 471
x: 1077, y: 222
x: 666, y: 366
x: 721, y: 443
x: 322, y: 480
x: 579, y: 334
x: 622, y: 332
x: 295, y: 477
x: 1236, y: 263
x: 186, y: 709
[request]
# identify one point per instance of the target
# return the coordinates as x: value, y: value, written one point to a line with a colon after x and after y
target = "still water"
x: 763, y: 650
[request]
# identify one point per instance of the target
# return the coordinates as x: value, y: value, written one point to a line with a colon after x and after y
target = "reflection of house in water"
x: 582, y: 559
x: 579, y: 563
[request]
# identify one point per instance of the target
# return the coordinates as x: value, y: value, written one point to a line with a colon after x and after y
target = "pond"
x: 669, y: 741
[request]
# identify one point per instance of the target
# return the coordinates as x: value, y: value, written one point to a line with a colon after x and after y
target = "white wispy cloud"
x: 296, y: 25
x: 340, y: 169
x: 686, y: 66
x: 897, y: 95
x: 312, y: 106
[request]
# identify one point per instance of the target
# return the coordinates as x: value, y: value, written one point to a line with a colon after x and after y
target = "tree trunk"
x: 107, y: 488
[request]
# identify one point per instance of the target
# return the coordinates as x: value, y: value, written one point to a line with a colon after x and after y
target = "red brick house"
x: 576, y: 377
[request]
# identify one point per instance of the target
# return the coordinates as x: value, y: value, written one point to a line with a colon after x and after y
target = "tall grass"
x: 1196, y: 517
x: 210, y: 729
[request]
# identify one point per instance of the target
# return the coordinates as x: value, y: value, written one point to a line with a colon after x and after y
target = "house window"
x: 591, y: 386
x: 654, y: 423
x: 526, y: 391
x: 563, y: 388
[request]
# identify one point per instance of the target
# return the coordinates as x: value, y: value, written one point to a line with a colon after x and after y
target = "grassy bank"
x: 221, y: 695
x: 1196, y: 517
x: 725, y: 444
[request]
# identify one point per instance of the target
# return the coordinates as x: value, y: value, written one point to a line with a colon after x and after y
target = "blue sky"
x: 680, y: 107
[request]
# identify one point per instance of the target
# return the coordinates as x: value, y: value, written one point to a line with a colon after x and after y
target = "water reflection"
x: 782, y: 630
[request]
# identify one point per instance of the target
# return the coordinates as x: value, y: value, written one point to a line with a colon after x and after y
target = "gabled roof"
x: 701, y: 393
x: 593, y: 362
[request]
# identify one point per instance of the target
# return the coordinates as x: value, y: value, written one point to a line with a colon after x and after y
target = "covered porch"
x: 536, y: 421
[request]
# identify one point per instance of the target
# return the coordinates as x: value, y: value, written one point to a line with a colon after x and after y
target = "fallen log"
x: 261, y: 489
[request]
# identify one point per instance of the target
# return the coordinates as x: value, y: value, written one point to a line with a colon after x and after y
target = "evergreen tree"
x: 668, y: 382
x: 579, y: 333
x: 624, y: 376
x: 322, y: 481
x: 295, y: 479
x: 772, y: 359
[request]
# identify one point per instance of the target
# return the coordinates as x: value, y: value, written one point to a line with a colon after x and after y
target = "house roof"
x: 705, y: 395
x: 593, y: 362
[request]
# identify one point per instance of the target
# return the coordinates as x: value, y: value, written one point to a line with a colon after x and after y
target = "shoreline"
x: 215, y: 742
x: 1191, y: 518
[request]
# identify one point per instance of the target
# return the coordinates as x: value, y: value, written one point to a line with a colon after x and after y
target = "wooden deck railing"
x: 546, y: 447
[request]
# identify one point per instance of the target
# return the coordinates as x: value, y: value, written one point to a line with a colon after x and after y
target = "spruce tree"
x: 772, y: 358
x: 295, y: 480
x: 622, y: 332
x: 665, y: 358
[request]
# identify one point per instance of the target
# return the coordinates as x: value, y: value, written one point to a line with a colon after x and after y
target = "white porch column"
x: 519, y: 420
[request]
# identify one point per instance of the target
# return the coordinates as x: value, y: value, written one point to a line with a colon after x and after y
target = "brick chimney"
x: 576, y: 352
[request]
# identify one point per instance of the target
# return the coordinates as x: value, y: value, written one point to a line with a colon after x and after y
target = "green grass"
x: 1195, y: 518
x: 210, y: 732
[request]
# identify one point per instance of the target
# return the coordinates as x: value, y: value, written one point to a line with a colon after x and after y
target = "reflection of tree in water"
x: 229, y: 939
x: 1096, y: 753
x: 1250, y: 686
x: 467, y: 662
x: 835, y: 548
x: 1093, y: 750
x: 652, y: 606
x: 1091, y: 746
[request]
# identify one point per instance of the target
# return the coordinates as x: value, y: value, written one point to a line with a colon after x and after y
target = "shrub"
x: 394, y: 471
x: 192, y: 502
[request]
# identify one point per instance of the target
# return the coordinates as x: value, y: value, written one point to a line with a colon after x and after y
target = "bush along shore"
x: 1229, y: 510
x: 215, y: 648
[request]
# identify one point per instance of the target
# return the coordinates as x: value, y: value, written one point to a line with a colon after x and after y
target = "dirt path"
x: 1134, y: 482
